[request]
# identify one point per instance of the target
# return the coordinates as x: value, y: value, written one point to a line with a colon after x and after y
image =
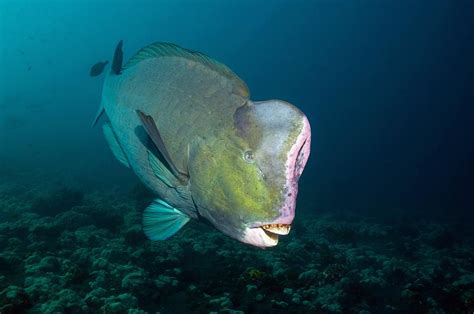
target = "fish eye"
x: 248, y: 156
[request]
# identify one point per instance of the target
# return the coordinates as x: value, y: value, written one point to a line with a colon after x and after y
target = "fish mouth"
x: 265, y: 235
x: 272, y: 231
x: 272, y: 237
x: 276, y: 229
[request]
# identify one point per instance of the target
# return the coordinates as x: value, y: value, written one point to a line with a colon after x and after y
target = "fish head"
x: 244, y: 179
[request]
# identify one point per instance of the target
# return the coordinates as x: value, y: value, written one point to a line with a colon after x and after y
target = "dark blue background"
x: 387, y: 86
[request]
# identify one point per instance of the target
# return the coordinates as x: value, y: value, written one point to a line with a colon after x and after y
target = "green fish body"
x: 185, y: 125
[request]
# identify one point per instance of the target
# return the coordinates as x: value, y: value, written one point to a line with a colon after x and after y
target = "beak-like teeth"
x: 277, y: 228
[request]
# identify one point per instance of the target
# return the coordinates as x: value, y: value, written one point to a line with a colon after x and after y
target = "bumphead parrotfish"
x: 185, y: 124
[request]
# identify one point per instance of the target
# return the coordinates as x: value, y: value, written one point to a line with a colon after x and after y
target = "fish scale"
x: 167, y: 109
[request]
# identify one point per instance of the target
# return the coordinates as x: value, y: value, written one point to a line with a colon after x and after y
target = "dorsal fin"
x: 161, y: 49
x: 118, y: 59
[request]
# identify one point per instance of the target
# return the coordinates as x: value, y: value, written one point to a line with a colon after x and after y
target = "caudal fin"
x: 116, y: 69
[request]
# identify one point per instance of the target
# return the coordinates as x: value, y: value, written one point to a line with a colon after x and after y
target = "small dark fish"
x: 29, y: 67
x: 98, y: 68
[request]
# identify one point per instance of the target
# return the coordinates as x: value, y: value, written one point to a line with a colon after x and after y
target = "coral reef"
x: 56, y: 201
x: 65, y: 252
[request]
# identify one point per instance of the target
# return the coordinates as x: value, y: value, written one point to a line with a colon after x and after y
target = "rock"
x: 46, y: 265
x: 251, y: 288
x: 308, y: 276
x: 328, y: 297
x: 71, y: 220
x: 223, y: 302
x: 100, y: 263
x: 57, y: 201
x: 137, y: 283
x: 3, y: 282
x: 46, y: 231
x: 296, y: 299
x: 15, y: 244
x: 94, y: 298
x: 134, y: 235
x: 279, y: 304
x: 119, y: 304
x: 74, y: 274
x: 14, y: 300
x: 103, y: 217
x: 66, y: 301
x: 40, y: 288
x: 99, y: 281
x: 164, y: 282
x: 465, y: 281
x: 5, y: 265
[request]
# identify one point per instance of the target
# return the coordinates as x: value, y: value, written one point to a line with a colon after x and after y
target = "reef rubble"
x: 74, y: 252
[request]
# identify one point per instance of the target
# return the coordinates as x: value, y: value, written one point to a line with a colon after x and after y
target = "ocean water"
x: 385, y: 205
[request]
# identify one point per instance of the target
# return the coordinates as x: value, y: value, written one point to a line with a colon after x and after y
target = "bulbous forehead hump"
x: 266, y: 124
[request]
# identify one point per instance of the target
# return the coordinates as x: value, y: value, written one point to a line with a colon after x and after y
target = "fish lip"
x: 304, y: 149
x: 259, y: 237
x: 284, y: 220
x: 273, y: 228
x: 295, y: 163
x: 279, y: 229
x: 264, y: 235
x: 271, y: 235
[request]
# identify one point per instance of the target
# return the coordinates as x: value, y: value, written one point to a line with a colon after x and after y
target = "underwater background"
x: 385, y: 207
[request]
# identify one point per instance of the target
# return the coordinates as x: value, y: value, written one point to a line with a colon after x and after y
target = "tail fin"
x: 118, y: 59
x: 116, y: 70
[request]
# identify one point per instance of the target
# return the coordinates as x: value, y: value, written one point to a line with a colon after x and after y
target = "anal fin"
x: 161, y: 220
x: 114, y: 144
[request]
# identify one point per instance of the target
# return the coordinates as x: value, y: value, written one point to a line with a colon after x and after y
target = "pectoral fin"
x: 161, y: 172
x: 161, y: 221
x: 152, y: 131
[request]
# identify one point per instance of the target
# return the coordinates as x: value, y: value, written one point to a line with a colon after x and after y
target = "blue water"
x: 388, y: 87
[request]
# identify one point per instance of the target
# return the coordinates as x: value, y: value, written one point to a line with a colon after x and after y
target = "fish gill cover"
x: 383, y: 219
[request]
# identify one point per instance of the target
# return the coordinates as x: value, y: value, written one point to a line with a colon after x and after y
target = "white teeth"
x: 277, y: 228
